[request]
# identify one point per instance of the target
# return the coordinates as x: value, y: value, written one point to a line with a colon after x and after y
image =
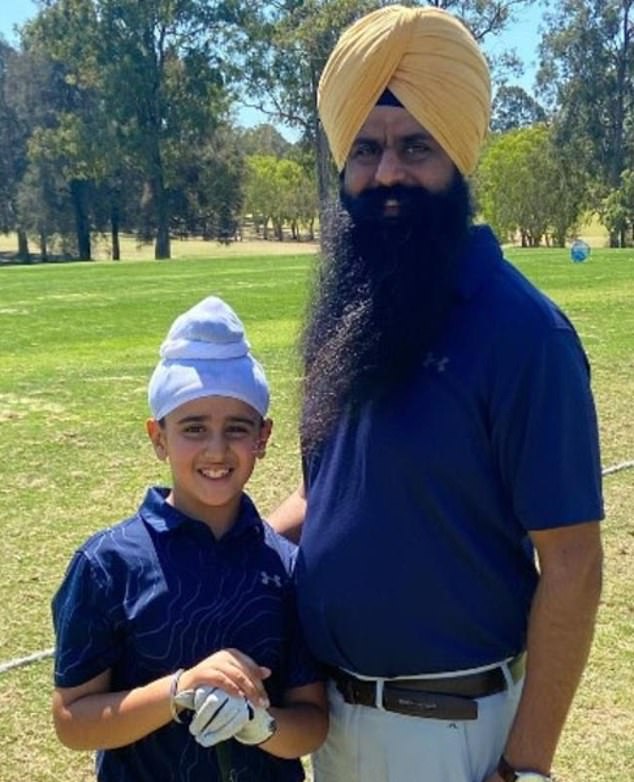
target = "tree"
x: 69, y: 129
x: 524, y: 187
x: 513, y: 108
x: 13, y: 151
x: 265, y: 139
x: 146, y: 86
x: 569, y: 190
x: 207, y: 192
x: 37, y: 95
x: 279, y: 192
x: 260, y: 191
x: 288, y: 43
x: 587, y: 74
x: 304, y: 204
x: 618, y: 209
x: 164, y: 80
x: 44, y: 203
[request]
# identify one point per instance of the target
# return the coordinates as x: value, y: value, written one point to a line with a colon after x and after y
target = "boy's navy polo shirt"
x: 415, y: 556
x: 158, y: 592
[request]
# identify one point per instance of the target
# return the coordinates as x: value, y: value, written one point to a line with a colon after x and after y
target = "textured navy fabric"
x: 415, y: 556
x: 158, y: 592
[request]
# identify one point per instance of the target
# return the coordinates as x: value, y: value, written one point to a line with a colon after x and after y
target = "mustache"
x: 369, y: 206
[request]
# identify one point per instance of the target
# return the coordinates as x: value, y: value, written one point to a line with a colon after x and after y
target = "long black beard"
x: 384, y: 289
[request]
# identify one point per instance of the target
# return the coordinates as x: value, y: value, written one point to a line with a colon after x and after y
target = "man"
x: 449, y: 440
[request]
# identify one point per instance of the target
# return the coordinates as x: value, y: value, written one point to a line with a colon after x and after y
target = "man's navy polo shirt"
x: 415, y: 556
x: 158, y: 592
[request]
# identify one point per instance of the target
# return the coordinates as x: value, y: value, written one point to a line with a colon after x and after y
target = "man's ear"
x: 263, y: 437
x: 156, y: 433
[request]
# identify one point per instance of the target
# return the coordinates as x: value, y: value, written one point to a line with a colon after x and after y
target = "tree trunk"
x: 78, y: 194
x: 162, y: 247
x: 43, y: 248
x: 23, y: 247
x: 323, y: 167
x: 324, y: 170
x: 160, y: 203
x: 114, y: 233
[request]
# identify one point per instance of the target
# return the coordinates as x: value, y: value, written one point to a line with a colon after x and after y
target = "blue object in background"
x: 579, y: 251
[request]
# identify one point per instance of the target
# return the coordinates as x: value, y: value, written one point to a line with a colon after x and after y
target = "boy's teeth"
x: 215, y: 473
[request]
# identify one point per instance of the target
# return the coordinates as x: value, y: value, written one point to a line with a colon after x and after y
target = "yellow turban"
x: 428, y: 60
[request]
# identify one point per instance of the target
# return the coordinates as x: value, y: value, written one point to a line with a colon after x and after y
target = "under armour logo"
x: 266, y: 579
x: 435, y: 361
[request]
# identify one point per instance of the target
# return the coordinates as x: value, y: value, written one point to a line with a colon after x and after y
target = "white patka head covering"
x: 206, y: 353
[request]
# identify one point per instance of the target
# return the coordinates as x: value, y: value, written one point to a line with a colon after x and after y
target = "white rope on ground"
x: 617, y: 468
x: 20, y: 662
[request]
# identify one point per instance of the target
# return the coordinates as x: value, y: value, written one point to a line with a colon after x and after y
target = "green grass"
x: 77, y: 345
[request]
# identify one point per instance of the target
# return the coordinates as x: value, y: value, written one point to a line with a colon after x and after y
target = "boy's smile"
x: 211, y: 444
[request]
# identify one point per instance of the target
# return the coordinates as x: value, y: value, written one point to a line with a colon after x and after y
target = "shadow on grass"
x: 14, y: 259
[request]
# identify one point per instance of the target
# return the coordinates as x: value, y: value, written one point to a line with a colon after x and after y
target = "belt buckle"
x: 429, y: 705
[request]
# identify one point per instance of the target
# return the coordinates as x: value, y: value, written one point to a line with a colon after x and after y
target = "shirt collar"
x: 164, y: 518
x: 481, y: 257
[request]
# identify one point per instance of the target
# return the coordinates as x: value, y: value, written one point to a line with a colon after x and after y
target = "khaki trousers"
x: 372, y: 745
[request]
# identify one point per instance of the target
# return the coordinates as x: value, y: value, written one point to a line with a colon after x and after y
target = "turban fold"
x: 206, y: 353
x: 428, y: 60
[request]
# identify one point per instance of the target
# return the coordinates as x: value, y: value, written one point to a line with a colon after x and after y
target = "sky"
x: 523, y: 36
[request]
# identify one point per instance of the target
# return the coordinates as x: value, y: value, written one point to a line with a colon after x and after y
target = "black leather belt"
x: 448, y: 697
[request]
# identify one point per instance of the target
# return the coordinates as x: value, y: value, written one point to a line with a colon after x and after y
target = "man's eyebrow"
x: 365, y: 140
x: 409, y: 138
x: 420, y: 135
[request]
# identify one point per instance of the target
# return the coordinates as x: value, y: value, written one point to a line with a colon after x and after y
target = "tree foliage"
x: 618, y: 210
x: 513, y: 108
x: 137, y: 86
x: 525, y: 188
x: 265, y: 139
x: 587, y: 74
x: 13, y: 148
x: 279, y: 191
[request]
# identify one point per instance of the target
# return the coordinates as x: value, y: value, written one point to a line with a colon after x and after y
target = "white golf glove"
x: 260, y: 727
x: 218, y: 716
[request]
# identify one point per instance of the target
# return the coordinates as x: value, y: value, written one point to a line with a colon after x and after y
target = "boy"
x: 189, y: 602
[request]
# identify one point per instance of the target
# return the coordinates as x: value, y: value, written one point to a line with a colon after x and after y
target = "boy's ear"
x: 263, y: 438
x: 156, y: 433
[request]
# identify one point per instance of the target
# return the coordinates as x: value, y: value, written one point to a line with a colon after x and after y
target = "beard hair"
x: 383, y: 291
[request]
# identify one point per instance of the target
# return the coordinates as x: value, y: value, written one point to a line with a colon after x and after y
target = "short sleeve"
x: 85, y: 638
x: 545, y: 435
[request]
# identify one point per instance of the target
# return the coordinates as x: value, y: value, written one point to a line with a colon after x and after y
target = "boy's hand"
x: 218, y: 715
x: 260, y: 727
x: 232, y: 671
